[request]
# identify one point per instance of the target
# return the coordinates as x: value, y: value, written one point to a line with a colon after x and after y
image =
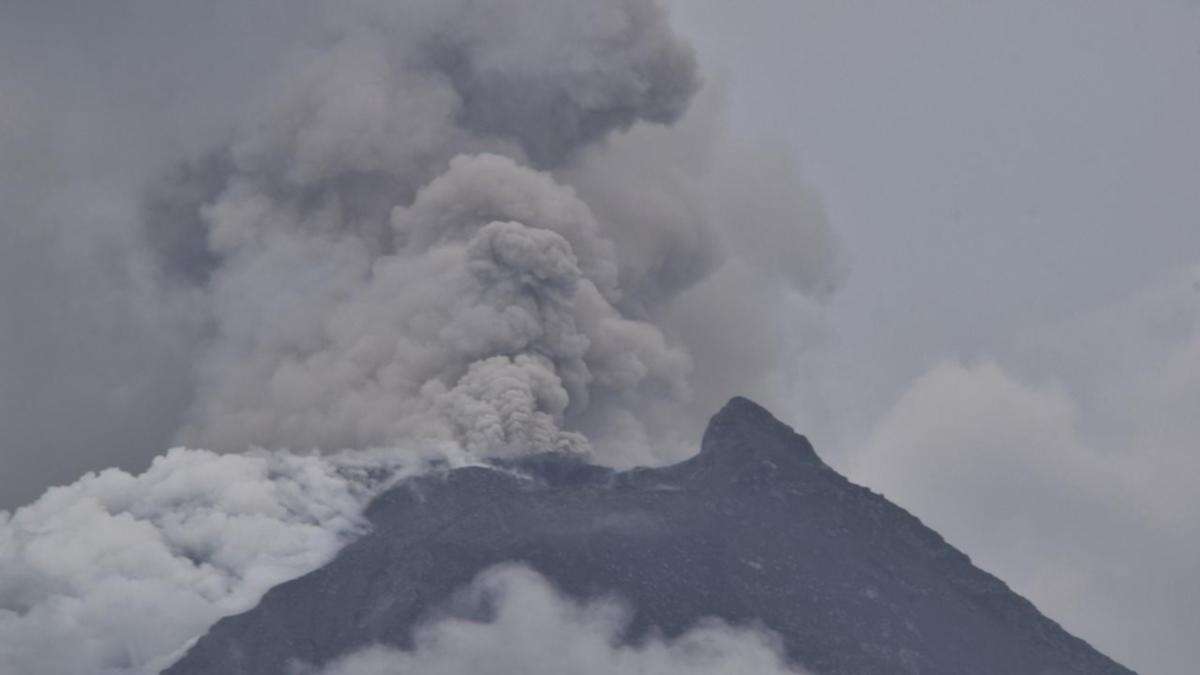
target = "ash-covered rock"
x: 753, y: 529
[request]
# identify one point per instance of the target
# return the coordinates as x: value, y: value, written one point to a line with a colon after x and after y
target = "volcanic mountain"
x: 755, y: 529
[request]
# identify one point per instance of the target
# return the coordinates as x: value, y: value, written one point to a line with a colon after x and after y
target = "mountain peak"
x: 744, y: 432
x: 754, y: 530
x: 741, y: 408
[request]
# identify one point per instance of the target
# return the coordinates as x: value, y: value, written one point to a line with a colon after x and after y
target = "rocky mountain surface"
x: 754, y: 528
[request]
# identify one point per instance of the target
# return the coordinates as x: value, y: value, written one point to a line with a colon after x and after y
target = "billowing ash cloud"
x: 359, y: 123
x: 447, y: 226
x: 533, y: 630
x: 117, y: 573
x: 428, y: 231
x: 491, y: 317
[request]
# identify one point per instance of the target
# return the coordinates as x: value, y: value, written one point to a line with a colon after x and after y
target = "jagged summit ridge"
x: 754, y: 530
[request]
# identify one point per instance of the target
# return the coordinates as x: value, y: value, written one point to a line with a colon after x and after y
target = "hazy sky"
x: 990, y: 166
x: 1014, y: 353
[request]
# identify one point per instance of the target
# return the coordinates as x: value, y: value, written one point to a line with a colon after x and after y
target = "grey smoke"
x: 452, y: 227
x: 94, y: 98
x: 943, y: 198
x: 360, y: 121
x: 392, y: 249
x: 198, y: 201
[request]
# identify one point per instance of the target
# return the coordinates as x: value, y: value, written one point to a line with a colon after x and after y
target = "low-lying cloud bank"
x: 535, y: 630
x: 117, y: 573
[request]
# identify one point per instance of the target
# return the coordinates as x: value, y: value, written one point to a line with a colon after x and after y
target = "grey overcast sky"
x: 989, y: 166
x: 1014, y: 354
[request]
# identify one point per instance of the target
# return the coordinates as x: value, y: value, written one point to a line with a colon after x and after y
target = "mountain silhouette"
x: 755, y: 529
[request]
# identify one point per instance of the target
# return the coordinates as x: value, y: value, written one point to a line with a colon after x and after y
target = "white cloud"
x: 116, y: 573
x: 537, y: 631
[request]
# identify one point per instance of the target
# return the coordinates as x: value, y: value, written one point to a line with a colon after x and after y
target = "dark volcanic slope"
x: 753, y: 527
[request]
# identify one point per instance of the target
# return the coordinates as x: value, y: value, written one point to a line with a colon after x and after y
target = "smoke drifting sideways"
x: 533, y: 630
x: 116, y: 574
x: 457, y: 222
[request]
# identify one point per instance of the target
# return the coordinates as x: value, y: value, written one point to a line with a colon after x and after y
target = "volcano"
x: 755, y: 529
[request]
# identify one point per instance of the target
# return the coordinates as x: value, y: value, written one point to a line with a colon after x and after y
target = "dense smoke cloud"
x: 534, y: 630
x: 117, y: 573
x: 150, y: 301
x: 445, y: 227
x: 356, y: 124
x: 491, y: 318
x: 97, y: 99
x: 392, y: 248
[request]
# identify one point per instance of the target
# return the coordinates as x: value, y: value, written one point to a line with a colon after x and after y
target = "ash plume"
x: 442, y: 228
x: 393, y: 248
x: 471, y: 230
